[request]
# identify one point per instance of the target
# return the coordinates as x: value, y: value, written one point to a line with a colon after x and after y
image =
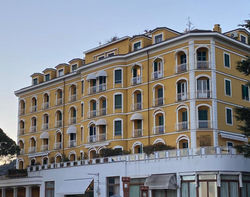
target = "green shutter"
x: 118, y: 127
x: 184, y: 116
x: 161, y: 120
x: 155, y: 66
x: 118, y: 101
x: 160, y: 93
x: 226, y: 60
x: 228, y: 88
x: 202, y: 114
x: 118, y: 76
x: 229, y: 116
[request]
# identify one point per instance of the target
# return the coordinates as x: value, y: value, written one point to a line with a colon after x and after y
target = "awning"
x: 101, y: 73
x: 71, y: 129
x: 74, y: 186
x: 91, y: 76
x: 161, y: 181
x: 136, y: 117
x: 237, y: 137
x: 101, y: 122
x: 44, y: 135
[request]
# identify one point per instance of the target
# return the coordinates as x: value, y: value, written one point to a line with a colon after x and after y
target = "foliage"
x: 65, y: 158
x: 112, y: 39
x: 108, y: 152
x: 52, y: 160
x: 247, y: 25
x: 156, y: 147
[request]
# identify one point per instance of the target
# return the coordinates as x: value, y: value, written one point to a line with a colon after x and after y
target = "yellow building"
x: 159, y: 87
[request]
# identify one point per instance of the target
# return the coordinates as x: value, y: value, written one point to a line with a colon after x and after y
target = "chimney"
x: 217, y: 28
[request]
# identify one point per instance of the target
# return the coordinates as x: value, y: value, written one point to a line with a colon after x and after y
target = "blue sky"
x: 37, y: 34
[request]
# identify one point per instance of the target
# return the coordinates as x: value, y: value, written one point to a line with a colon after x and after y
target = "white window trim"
x: 154, y: 116
x: 82, y: 110
x: 82, y: 133
x: 158, y: 35
x: 114, y: 77
x: 110, y: 53
x: 36, y: 78
x: 248, y: 93
x: 225, y: 53
x: 117, y: 93
x: 98, y: 57
x: 114, y: 128
x: 133, y: 48
x: 226, y: 108
x: 245, y: 38
x: 163, y: 89
x: 60, y: 70
x: 226, y: 79
x: 133, y: 134
x: 82, y: 86
x: 48, y: 74
x: 71, y: 70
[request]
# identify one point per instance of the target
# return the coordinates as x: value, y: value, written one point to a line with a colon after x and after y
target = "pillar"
x: 3, y: 192
x: 15, y: 192
x: 144, y: 191
x: 27, y: 191
x: 126, y: 183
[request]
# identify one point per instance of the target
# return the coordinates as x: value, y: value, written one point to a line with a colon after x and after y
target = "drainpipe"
x: 148, y: 98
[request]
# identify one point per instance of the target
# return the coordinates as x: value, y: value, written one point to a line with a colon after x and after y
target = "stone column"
x: 42, y: 190
x: 3, y: 192
x: 126, y: 183
x: 15, y: 192
x: 27, y: 191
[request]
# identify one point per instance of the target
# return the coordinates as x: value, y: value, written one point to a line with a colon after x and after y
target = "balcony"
x: 59, y: 123
x: 182, y: 96
x: 158, y: 101
x: 137, y: 133
x: 32, y: 149
x: 33, y: 129
x: 21, y: 131
x: 157, y: 75
x: 102, y: 112
x: 22, y: 112
x: 159, y: 129
x: 72, y: 98
x: 92, y: 89
x: 72, y: 120
x: 92, y: 114
x: 72, y: 143
x: 45, y: 105
x: 202, y: 65
x: 44, y: 147
x: 136, y: 80
x: 204, y: 124
x: 182, y: 126
x: 33, y: 108
x: 102, y: 87
x: 97, y: 138
x: 136, y: 106
x: 59, y: 101
x: 181, y: 68
x: 203, y: 94
x: 58, y: 145
x: 45, y: 126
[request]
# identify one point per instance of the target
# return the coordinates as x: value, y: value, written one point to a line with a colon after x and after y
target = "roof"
x: 238, y: 29
x: 75, y: 59
x: 48, y: 69
x: 159, y: 28
x: 140, y: 35
x: 62, y: 64
x: 35, y: 74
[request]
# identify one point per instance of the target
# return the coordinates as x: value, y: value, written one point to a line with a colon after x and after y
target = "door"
x: 203, y: 88
x: 184, y: 119
x: 182, y: 90
x: 138, y: 100
x: 160, y: 96
x: 203, y: 118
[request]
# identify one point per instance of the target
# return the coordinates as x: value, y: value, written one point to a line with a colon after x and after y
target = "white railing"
x: 181, y: 68
x: 136, y: 106
x: 97, y: 138
x: 136, y: 80
x: 201, y: 65
x: 59, y: 123
x: 102, y: 87
x: 181, y: 126
x: 72, y: 98
x: 137, y: 132
x: 44, y: 147
x: 101, y: 137
x: 45, y: 126
x: 92, y: 138
x: 157, y: 74
x: 33, y: 129
x: 102, y: 112
x: 182, y: 96
x: 204, y: 124
x: 92, y: 89
x: 22, y: 112
x: 159, y: 129
x: 72, y: 143
x: 158, y: 101
x: 203, y: 94
x: 33, y: 108
x: 32, y: 149
x: 59, y: 101
x: 45, y: 105
x: 92, y: 114
x: 58, y: 145
x: 72, y: 120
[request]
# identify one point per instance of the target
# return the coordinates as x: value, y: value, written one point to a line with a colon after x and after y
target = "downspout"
x: 63, y: 116
x: 148, y: 99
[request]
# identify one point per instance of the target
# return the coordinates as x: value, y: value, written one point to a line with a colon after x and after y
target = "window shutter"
x: 160, y: 93
x: 161, y: 120
x: 229, y: 116
x: 184, y: 116
x: 228, y: 88
x: 118, y: 101
x: 202, y: 114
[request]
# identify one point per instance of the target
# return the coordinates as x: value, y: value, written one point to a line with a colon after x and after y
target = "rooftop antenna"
x: 189, y: 25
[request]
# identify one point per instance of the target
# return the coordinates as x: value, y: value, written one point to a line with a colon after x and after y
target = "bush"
x: 52, y: 160
x: 64, y: 158
x: 156, y: 147
x: 108, y: 152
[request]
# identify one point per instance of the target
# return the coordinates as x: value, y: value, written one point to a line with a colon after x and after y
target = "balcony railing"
x: 159, y: 129
x: 58, y: 145
x: 72, y: 143
x: 136, y: 106
x: 202, y: 65
x: 33, y: 108
x: 92, y: 89
x: 136, y: 80
x: 44, y: 147
x: 182, y: 126
x: 59, y: 101
x: 203, y: 94
x: 102, y: 87
x: 204, y: 124
x: 181, y: 68
x: 137, y: 132
x: 21, y: 131
x: 22, y: 112
x: 157, y: 74
x: 97, y: 138
x: 45, y: 105
x: 72, y: 120
x: 59, y: 123
x: 45, y: 126
x: 72, y: 98
x: 102, y: 112
x: 182, y: 96
x: 32, y: 149
x: 33, y: 129
x: 158, y: 101
x: 92, y: 114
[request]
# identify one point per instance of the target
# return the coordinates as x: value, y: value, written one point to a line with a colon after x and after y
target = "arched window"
x: 182, y: 142
x: 137, y: 147
x: 103, y: 106
x: 92, y: 154
x: 136, y: 75
x: 72, y: 156
x: 59, y: 97
x: 181, y: 90
x: 33, y: 124
x: 22, y: 107
x: 21, y: 127
x: 159, y: 123
x: 92, y: 133
x: 92, y: 106
x: 203, y: 87
x: 204, y: 121
x: 21, y: 146
x: 181, y: 62
x: 157, y: 69
x: 33, y: 105
x: 32, y: 148
x: 202, y: 59
x: 20, y: 165
x: 101, y: 77
x: 137, y: 98
x: 137, y: 125
x: 182, y: 118
x: 72, y: 119
x: 45, y: 101
x: 158, y: 95
x: 45, y: 161
x: 33, y: 162
x: 58, y: 118
x: 58, y: 141
x: 45, y: 125
x: 72, y: 94
x: 58, y: 159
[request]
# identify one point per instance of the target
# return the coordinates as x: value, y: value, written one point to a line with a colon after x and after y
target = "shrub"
x: 156, y: 147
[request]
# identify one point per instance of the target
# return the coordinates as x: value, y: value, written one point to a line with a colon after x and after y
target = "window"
x: 113, y: 186
x: 207, y: 185
x: 245, y: 92
x: 134, y: 188
x: 47, y: 77
x: 243, y: 39
x: 82, y: 109
x: 188, y: 188
x: 118, y: 127
x: 73, y: 67
x: 137, y: 46
x: 60, y: 73
x: 229, y: 186
x: 50, y: 189
x: 82, y: 86
x: 111, y: 54
x: 229, y: 118
x: 158, y: 38
x: 101, y: 57
x: 226, y: 60
x: 35, y: 81
x: 118, y: 76
x: 227, y: 87
x: 118, y: 101
x: 82, y: 134
x: 230, y: 144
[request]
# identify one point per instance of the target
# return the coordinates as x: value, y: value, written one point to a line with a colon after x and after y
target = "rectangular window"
x: 137, y: 46
x: 60, y: 73
x: 82, y: 87
x: 113, y: 186
x: 230, y: 144
x: 243, y: 39
x: 118, y: 127
x: 229, y: 186
x: 226, y: 60
x: 35, y: 81
x: 118, y: 76
x: 82, y: 109
x: 229, y: 119
x: 82, y: 134
x: 101, y: 57
x: 74, y: 67
x: 47, y: 77
x: 227, y: 87
x: 245, y: 92
x: 134, y: 188
x: 50, y: 189
x: 111, y: 54
x: 158, y: 38
x: 118, y: 101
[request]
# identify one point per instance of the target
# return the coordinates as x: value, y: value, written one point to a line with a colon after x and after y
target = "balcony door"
x: 182, y: 90
x: 203, y: 118
x: 203, y: 88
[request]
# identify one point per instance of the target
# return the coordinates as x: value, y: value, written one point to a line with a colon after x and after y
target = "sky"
x: 35, y: 35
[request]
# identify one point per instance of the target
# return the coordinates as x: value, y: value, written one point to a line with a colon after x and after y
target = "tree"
x: 243, y: 114
x: 8, y: 147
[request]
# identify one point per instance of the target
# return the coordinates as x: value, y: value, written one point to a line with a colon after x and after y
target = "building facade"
x: 161, y: 87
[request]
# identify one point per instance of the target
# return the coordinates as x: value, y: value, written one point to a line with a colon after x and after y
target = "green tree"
x: 243, y: 114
